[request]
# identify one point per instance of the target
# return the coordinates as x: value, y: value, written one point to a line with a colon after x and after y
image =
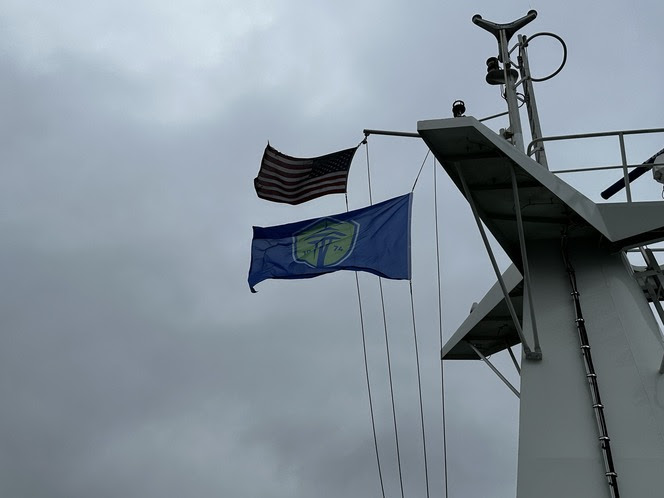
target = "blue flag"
x: 374, y: 239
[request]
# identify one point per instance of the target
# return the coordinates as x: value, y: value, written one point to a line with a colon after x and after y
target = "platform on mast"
x: 549, y: 208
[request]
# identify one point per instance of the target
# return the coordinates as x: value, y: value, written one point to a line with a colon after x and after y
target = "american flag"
x: 292, y: 180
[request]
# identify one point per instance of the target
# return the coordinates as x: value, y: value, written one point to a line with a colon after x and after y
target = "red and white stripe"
x: 285, y: 179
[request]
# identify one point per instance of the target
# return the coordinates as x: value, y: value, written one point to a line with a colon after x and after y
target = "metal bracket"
x: 516, y: 363
x: 534, y: 355
x: 495, y: 370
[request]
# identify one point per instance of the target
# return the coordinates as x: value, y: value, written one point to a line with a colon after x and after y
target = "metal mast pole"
x: 510, y: 92
x: 506, y: 76
x: 531, y: 105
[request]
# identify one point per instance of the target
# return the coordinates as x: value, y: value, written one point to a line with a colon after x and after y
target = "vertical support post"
x: 510, y: 93
x: 531, y: 105
x: 503, y: 287
x: 524, y: 260
x: 623, y: 155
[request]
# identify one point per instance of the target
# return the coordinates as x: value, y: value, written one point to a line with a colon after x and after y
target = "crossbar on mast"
x: 392, y: 133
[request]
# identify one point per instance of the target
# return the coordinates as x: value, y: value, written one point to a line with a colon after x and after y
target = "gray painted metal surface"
x: 559, y: 450
x: 549, y: 206
x: 489, y: 325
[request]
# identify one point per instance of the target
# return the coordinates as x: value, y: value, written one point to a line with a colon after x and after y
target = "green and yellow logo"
x: 325, y: 243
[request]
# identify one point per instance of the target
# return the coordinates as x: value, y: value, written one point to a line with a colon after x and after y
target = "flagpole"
x: 391, y: 133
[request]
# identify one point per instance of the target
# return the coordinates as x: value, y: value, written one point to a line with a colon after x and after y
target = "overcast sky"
x: 134, y: 361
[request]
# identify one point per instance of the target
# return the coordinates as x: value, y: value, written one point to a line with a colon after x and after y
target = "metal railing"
x: 538, y: 144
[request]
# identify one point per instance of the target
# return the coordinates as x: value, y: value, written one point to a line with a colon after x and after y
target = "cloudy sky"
x: 134, y: 362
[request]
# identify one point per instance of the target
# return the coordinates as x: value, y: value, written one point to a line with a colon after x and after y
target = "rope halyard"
x: 366, y: 373
x: 389, y: 373
x: 420, y: 171
x: 366, y: 148
x: 419, y: 388
x: 387, y: 345
x: 440, y: 324
x: 416, y: 347
x: 387, y: 349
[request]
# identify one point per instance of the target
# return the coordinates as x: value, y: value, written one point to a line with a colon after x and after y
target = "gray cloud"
x: 134, y: 360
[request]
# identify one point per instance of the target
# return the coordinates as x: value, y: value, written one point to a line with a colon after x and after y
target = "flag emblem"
x: 325, y: 243
x: 375, y: 239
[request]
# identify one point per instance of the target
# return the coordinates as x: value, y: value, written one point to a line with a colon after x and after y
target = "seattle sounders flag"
x: 375, y: 239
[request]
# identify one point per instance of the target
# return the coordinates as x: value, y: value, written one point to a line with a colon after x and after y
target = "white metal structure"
x: 592, y: 388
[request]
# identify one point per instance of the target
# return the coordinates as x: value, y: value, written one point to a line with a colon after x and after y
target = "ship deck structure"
x: 591, y: 393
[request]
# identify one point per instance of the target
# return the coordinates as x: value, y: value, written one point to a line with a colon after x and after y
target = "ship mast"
x: 506, y: 76
x: 591, y: 387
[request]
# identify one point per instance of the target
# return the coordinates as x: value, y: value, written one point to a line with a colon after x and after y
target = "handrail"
x: 592, y: 135
x: 628, y: 176
x: 598, y: 168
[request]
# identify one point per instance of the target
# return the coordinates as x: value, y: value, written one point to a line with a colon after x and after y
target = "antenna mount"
x: 506, y: 75
x: 508, y: 28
